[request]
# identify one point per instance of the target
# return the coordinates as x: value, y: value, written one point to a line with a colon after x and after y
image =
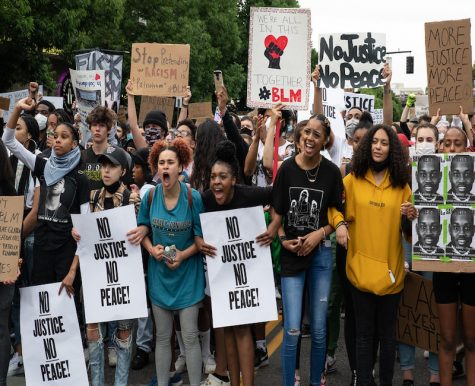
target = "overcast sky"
x: 402, y: 21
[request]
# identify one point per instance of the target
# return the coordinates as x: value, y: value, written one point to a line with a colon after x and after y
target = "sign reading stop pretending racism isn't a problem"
x: 449, y: 66
x: 159, y: 69
x: 279, y: 57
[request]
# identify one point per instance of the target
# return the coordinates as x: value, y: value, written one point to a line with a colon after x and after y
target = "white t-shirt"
x: 261, y: 176
x: 341, y: 151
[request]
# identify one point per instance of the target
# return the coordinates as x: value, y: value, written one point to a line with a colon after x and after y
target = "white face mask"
x: 350, y: 126
x: 423, y: 148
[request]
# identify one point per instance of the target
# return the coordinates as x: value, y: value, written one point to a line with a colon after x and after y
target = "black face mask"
x: 379, y: 166
x: 112, y: 188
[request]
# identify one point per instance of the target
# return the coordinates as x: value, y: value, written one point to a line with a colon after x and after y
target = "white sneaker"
x: 15, y: 367
x: 180, y: 364
x: 112, y: 355
x: 209, y: 364
x: 213, y: 381
x: 426, y: 354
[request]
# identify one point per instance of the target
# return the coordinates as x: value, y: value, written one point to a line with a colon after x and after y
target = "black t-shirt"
x: 304, y: 205
x: 57, y: 202
x: 91, y: 168
x: 244, y: 197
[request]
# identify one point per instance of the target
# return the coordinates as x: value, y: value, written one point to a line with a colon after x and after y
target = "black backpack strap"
x: 95, y: 198
x: 126, y: 197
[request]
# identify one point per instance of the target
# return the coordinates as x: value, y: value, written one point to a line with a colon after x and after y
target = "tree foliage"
x: 378, y: 101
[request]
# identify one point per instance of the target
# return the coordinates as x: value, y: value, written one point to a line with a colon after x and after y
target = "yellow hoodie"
x: 375, y: 259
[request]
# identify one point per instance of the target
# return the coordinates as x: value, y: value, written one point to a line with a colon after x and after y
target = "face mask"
x: 423, y: 148
x: 350, y: 126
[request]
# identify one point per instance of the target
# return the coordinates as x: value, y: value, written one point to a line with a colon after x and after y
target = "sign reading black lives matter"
x: 241, y: 278
x: 279, y: 57
x: 444, y: 195
x: 111, y: 267
x: 52, y: 346
x: 351, y: 60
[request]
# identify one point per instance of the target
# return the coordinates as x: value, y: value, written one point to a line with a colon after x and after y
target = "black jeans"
x: 6, y: 296
x: 375, y: 314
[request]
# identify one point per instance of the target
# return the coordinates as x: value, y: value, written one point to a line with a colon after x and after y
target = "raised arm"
x: 387, y: 96
x: 466, y: 125
x: 137, y: 136
x: 184, y: 107
x: 317, y: 96
x: 268, y: 156
x: 250, y: 163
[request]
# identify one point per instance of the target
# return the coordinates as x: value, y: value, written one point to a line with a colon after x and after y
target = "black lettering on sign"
x: 244, y: 298
x: 50, y: 348
x: 55, y: 371
x: 240, y: 275
x: 104, y: 228
x: 112, y: 272
x: 44, y: 302
x: 233, y: 228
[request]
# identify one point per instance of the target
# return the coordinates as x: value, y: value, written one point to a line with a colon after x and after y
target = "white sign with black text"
x: 111, y: 267
x: 52, y: 347
x: 241, y: 278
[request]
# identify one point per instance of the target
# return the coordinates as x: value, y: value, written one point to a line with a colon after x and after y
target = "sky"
x: 402, y: 21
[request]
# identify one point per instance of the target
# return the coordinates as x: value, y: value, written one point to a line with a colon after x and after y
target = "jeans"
x: 6, y: 296
x: 319, y: 282
x: 334, y: 306
x: 407, y: 358
x: 124, y: 354
x: 189, y: 331
x: 144, y: 339
x: 378, y: 314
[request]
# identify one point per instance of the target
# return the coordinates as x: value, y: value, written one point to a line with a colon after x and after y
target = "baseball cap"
x: 114, y: 155
x: 140, y: 157
x: 404, y: 141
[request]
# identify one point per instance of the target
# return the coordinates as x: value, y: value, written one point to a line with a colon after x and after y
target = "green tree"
x: 378, y: 101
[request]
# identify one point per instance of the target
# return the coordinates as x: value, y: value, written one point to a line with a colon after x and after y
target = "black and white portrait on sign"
x: 461, y: 231
x: 428, y: 229
x: 461, y: 178
x: 428, y: 176
x: 305, y: 207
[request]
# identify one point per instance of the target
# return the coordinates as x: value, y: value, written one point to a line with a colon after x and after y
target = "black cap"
x: 157, y: 117
x: 140, y: 157
x: 116, y: 156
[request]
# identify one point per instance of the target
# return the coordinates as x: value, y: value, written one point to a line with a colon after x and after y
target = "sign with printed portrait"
x: 444, y: 195
x: 279, y: 57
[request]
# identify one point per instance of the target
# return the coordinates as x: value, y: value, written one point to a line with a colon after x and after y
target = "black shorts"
x: 51, y: 266
x: 451, y: 287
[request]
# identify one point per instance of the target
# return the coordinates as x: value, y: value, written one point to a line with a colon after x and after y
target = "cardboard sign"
x: 449, y: 66
x: 149, y: 103
x: 422, y: 105
x: 112, y: 66
x: 351, y: 60
x: 277, y: 37
x: 111, y: 267
x: 363, y: 101
x: 418, y: 320
x: 241, y: 278
x: 52, y: 347
x: 89, y: 90
x: 444, y: 194
x: 11, y: 219
x: 4, y: 103
x: 200, y: 110
x: 160, y: 69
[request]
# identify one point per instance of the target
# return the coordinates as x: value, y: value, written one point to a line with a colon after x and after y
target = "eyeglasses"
x: 182, y: 133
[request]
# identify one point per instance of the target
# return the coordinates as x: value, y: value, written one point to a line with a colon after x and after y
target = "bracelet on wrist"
x: 340, y: 224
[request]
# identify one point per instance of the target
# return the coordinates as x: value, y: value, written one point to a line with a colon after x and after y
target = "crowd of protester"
x: 331, y: 202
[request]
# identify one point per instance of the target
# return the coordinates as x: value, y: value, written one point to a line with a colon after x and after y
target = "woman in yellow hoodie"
x: 376, y: 193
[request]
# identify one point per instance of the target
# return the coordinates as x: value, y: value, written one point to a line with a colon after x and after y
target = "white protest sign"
x: 377, y: 115
x: 111, y: 267
x: 422, y: 105
x: 14, y: 97
x: 52, y: 346
x: 351, y: 59
x: 56, y: 101
x: 363, y: 101
x: 279, y: 57
x: 89, y: 90
x: 241, y: 279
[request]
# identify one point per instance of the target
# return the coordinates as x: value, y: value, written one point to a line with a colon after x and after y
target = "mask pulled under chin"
x: 113, y: 187
x: 424, y: 148
x: 379, y: 166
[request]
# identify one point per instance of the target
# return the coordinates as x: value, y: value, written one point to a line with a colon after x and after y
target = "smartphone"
x: 218, y: 80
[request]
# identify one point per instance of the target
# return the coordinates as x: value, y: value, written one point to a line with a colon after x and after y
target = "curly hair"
x: 397, y: 159
x: 208, y: 136
x: 103, y: 115
x: 178, y: 146
x: 226, y: 154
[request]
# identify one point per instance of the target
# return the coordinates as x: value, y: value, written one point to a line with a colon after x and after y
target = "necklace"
x: 312, y: 177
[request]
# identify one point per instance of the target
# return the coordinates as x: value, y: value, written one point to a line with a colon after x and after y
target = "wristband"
x: 341, y: 223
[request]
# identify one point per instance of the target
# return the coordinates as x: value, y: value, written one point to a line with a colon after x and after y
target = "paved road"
x: 270, y: 375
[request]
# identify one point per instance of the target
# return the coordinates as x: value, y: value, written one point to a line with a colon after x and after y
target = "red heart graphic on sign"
x: 98, y: 77
x: 280, y: 42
